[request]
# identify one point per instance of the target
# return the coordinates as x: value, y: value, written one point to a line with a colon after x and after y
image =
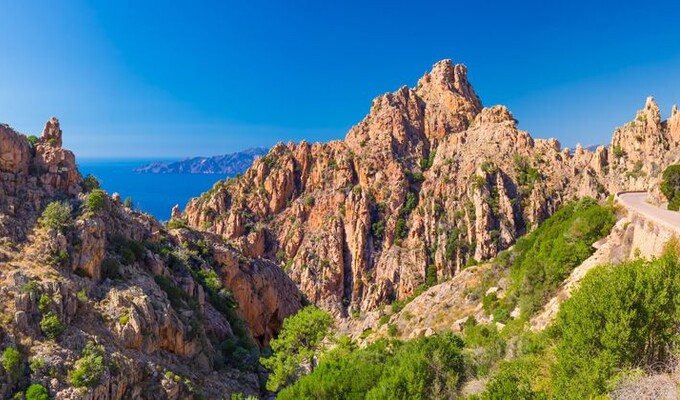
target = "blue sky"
x: 172, y: 79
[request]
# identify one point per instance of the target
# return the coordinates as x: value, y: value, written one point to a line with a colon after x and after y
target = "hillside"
x: 228, y: 164
x: 102, y: 301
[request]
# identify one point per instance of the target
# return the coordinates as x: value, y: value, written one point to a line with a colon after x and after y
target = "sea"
x: 155, y: 194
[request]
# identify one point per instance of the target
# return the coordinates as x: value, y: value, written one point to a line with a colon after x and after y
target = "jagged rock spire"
x: 52, y: 132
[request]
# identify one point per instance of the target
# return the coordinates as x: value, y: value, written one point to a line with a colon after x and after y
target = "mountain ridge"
x: 230, y: 164
x: 428, y: 179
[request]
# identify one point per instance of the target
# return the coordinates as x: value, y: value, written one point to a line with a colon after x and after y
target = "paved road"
x: 638, y: 202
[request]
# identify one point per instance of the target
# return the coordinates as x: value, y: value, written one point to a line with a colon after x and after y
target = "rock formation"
x: 177, y: 313
x: 429, y: 179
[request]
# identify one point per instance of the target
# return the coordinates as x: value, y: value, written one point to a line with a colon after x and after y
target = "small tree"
x: 296, y: 345
x: 670, y: 186
x: 51, y: 326
x: 37, y: 392
x: 128, y: 202
x: 57, y: 216
x: 90, y: 367
x: 32, y: 140
x: 11, y: 362
x: 90, y: 183
x: 95, y: 200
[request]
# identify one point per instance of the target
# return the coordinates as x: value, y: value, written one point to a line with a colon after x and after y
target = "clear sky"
x: 182, y: 78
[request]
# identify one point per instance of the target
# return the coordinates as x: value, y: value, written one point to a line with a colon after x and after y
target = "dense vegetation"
x: 670, y: 186
x: 623, y: 318
x: 429, y: 368
x: 542, y: 260
x: 295, y: 347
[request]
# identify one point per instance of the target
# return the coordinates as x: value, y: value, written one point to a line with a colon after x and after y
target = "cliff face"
x: 30, y: 173
x: 177, y: 313
x: 428, y: 180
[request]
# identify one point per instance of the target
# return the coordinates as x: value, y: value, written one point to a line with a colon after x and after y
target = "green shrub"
x: 621, y: 317
x: 51, y: 326
x: 57, y: 216
x: 299, y: 339
x: 431, y: 276
x: 29, y: 287
x: 44, y: 303
x: 392, y: 330
x: 487, y: 346
x: 32, y: 140
x: 37, y: 364
x: 128, y: 202
x: 471, y: 262
x: 90, y: 183
x: 110, y: 268
x: 96, y: 200
x: 11, y: 362
x: 176, y: 224
x: 515, y: 380
x: 670, y: 186
x: 89, y: 368
x: 37, y: 392
x: 618, y: 151
x: 124, y: 319
x: 378, y: 229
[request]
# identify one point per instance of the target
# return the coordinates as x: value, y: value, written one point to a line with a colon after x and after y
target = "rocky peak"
x: 52, y: 132
x: 643, y: 138
x: 494, y: 115
x: 447, y: 77
x: 650, y: 115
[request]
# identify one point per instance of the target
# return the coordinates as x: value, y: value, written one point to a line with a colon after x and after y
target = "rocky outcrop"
x: 31, y: 172
x: 175, y: 314
x: 429, y: 178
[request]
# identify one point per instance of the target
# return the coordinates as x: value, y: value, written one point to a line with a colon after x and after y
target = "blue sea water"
x: 155, y: 194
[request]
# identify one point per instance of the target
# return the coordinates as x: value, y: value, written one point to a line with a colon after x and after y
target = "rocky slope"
x: 227, y: 164
x: 167, y: 313
x: 429, y: 179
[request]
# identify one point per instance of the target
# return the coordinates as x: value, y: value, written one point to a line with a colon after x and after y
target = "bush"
x: 95, y: 201
x: 110, y: 268
x: 392, y: 330
x: 621, y: 317
x: 57, y: 216
x: 514, y: 379
x: 176, y: 224
x: 11, y: 362
x: 618, y: 151
x: 128, y: 203
x: 32, y: 140
x: 427, y: 368
x: 44, y: 303
x: 378, y: 229
x: 90, y: 183
x: 296, y: 345
x: 37, y: 392
x: 670, y: 186
x: 487, y: 347
x: 51, y: 326
x: 89, y: 368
